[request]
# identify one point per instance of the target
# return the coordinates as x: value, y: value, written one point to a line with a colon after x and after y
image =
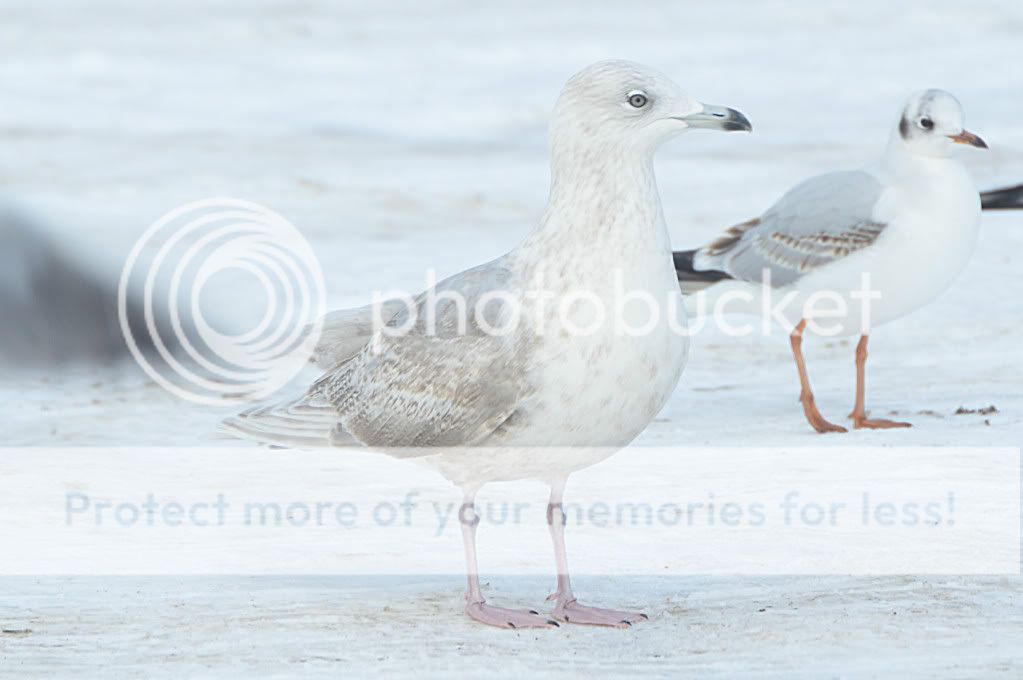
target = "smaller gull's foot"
x: 507, y: 618
x: 570, y: 611
x: 878, y: 423
x: 814, y: 417
x: 823, y: 426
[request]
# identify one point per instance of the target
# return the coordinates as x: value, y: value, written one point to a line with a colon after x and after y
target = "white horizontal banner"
x: 854, y: 510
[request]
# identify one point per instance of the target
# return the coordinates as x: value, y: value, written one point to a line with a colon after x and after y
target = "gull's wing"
x: 431, y: 385
x: 437, y: 384
x: 344, y: 332
x: 821, y: 220
x: 428, y: 391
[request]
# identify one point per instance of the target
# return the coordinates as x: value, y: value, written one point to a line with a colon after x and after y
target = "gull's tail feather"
x: 309, y: 422
x: 1009, y: 198
x: 689, y: 278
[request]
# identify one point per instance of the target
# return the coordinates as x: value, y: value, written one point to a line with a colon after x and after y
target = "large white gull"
x: 545, y: 384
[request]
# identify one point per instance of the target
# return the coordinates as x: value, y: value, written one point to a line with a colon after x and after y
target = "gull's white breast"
x: 597, y: 384
x: 603, y: 388
x: 592, y: 392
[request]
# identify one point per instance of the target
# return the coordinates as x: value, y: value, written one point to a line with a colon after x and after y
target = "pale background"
x: 400, y: 137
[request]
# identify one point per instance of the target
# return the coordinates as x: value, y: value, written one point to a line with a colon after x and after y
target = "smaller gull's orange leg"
x: 859, y: 414
x: 813, y: 416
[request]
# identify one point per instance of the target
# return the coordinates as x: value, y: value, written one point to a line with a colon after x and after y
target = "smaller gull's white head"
x: 932, y: 121
x: 625, y: 104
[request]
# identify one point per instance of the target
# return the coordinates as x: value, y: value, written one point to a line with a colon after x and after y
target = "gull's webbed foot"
x: 863, y: 423
x: 507, y: 618
x: 570, y: 611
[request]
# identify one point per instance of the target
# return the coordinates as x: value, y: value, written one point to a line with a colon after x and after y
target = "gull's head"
x: 932, y: 122
x: 627, y: 104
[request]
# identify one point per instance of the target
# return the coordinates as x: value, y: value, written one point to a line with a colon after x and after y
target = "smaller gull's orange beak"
x: 967, y: 137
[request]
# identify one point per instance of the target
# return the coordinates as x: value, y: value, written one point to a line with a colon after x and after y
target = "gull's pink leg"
x: 566, y: 608
x: 475, y: 606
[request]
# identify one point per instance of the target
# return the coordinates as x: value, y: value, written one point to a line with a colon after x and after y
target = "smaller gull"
x: 903, y: 227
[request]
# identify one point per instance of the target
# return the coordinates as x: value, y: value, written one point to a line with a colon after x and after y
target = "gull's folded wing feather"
x: 824, y: 219
x: 344, y: 332
x: 427, y: 391
x: 429, y: 385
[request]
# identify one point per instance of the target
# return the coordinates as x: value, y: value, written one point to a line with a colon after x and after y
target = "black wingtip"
x: 686, y: 271
x: 1009, y: 198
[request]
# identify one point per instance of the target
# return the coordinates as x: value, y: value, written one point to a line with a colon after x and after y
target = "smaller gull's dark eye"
x: 926, y: 123
x: 637, y: 99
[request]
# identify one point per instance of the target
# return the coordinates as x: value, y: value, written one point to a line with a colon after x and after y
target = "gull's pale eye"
x: 926, y: 123
x: 638, y: 99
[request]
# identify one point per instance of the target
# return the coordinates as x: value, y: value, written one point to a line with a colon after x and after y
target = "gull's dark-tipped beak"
x: 967, y: 137
x: 718, y: 118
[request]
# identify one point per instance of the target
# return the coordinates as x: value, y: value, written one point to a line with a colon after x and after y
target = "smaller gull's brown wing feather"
x: 820, y: 221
